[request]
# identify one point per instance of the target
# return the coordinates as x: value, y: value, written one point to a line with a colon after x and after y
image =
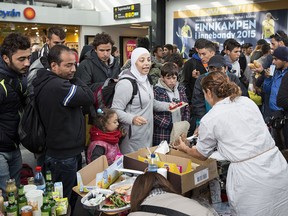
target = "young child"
x: 104, y: 136
x: 168, y: 89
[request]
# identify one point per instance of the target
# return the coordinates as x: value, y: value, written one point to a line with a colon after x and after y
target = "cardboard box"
x: 206, y: 171
x: 97, y: 174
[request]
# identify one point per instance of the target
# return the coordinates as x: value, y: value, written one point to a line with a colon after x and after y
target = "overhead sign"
x: 127, y: 12
x: 11, y: 13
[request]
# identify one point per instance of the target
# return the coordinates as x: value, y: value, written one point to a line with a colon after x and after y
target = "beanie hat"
x: 281, y: 53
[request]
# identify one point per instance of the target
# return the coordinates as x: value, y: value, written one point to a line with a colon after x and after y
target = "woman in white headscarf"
x: 137, y: 117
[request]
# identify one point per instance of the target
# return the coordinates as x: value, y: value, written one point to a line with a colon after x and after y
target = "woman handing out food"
x: 257, y: 177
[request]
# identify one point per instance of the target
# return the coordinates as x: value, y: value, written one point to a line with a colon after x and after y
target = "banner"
x: 219, y: 25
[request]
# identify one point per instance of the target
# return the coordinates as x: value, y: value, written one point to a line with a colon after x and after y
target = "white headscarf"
x: 134, y: 57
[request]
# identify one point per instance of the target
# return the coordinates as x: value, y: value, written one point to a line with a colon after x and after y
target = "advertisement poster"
x: 222, y: 23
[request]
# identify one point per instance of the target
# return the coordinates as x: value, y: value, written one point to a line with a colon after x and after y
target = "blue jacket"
x: 271, y: 85
x: 11, y: 82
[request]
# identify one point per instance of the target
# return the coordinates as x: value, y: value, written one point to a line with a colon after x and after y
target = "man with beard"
x: 60, y: 98
x: 14, y: 62
x: 272, y: 85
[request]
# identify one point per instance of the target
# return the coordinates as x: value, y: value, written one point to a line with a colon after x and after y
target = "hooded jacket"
x: 163, y: 121
x: 59, y: 102
x: 12, y: 89
x: 93, y: 72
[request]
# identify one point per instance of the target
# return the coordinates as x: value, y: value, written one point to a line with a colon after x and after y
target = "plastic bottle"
x: 152, y: 166
x: 39, y: 180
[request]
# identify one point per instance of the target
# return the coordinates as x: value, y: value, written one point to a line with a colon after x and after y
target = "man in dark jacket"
x: 14, y: 62
x: 192, y: 68
x: 99, y: 64
x: 55, y: 35
x: 60, y: 97
x: 199, y: 105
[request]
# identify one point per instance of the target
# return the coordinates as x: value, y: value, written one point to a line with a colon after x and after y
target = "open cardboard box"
x: 86, y: 177
x: 206, y: 171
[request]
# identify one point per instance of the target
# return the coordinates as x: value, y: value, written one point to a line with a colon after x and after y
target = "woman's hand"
x: 139, y: 120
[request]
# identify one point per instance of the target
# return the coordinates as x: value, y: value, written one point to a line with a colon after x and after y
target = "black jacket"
x: 93, y: 72
x: 188, y: 80
x: 198, y: 99
x: 59, y: 102
x: 282, y: 96
x: 12, y: 90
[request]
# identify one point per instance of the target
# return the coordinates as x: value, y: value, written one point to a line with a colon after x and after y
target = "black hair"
x: 102, y: 38
x: 265, y: 48
x: 114, y: 49
x: 169, y: 47
x: 232, y: 44
x: 54, y: 54
x: 143, y: 42
x: 56, y: 30
x: 246, y: 45
x: 14, y: 42
x: 169, y: 69
x: 175, y: 58
x: 155, y: 48
x: 200, y: 43
x: 209, y: 45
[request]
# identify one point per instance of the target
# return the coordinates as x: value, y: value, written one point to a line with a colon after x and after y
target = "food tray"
x: 93, y: 194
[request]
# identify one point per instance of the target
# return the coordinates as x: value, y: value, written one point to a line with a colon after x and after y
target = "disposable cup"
x: 29, y: 187
x: 35, y: 199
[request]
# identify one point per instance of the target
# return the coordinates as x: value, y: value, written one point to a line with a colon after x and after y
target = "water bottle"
x: 152, y: 166
x: 39, y: 180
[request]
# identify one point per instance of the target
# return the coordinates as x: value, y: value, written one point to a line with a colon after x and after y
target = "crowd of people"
x: 216, y: 86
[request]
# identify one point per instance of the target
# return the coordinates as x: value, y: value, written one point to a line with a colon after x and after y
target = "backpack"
x: 25, y: 173
x: 31, y: 130
x: 105, y: 93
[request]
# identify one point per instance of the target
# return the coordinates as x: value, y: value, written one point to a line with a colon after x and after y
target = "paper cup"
x: 35, y: 199
x: 29, y: 187
x: 162, y: 171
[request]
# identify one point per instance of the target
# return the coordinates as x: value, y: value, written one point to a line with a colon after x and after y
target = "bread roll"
x: 257, y: 64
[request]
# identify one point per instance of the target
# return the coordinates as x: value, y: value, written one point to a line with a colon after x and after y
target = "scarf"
x: 134, y: 57
x: 110, y: 137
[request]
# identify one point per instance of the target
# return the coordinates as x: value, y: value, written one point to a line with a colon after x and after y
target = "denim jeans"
x: 10, y: 167
x: 63, y: 170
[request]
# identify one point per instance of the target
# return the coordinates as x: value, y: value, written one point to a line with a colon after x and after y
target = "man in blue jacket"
x: 272, y: 85
x: 14, y: 62
x: 60, y: 98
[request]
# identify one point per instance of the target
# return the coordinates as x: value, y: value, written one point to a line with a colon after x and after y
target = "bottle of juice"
x: 12, y: 208
x: 45, y: 208
x: 22, y: 201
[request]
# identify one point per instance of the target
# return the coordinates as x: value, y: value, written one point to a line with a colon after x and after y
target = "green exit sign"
x: 127, y: 12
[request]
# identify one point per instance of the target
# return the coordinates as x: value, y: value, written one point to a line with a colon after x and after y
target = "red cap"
x: 38, y: 168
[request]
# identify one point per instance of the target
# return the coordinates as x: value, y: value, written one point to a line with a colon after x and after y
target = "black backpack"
x: 31, y: 130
